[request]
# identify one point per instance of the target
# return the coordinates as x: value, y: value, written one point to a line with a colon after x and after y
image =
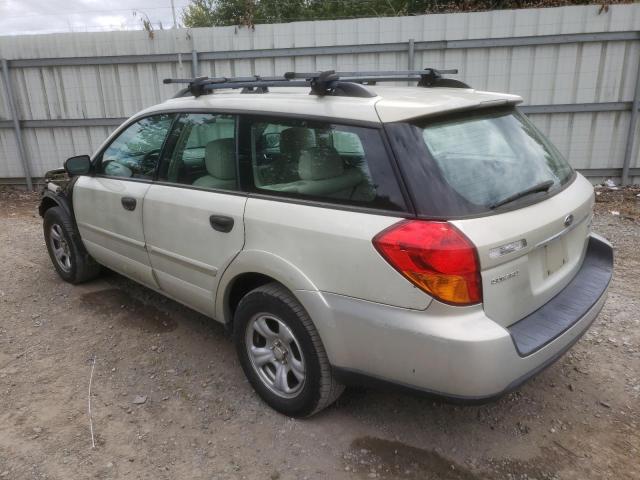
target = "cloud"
x: 46, y: 16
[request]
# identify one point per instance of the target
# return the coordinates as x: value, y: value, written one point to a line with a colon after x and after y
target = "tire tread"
x: 86, y: 267
x: 330, y: 390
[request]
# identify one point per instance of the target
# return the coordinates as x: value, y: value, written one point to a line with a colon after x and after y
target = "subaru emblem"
x: 568, y: 220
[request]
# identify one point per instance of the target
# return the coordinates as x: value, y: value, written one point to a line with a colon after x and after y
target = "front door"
x: 193, y: 215
x: 108, y: 206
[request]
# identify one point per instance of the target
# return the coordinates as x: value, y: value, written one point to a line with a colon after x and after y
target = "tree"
x: 208, y: 13
x: 201, y: 13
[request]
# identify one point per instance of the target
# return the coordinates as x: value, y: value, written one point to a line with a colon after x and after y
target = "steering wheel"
x: 149, y: 162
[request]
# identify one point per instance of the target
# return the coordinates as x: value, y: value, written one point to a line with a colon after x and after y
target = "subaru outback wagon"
x: 346, y: 233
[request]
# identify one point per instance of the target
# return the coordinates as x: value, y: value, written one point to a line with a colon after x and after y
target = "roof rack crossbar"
x: 200, y: 85
x: 327, y: 82
x: 205, y: 80
x: 361, y: 78
x: 257, y: 84
x: 373, y: 73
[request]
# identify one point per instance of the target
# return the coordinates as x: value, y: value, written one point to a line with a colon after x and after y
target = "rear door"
x: 108, y: 206
x: 193, y: 214
x: 319, y: 210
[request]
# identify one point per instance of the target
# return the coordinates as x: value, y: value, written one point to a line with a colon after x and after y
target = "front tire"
x: 68, y: 255
x: 281, y: 352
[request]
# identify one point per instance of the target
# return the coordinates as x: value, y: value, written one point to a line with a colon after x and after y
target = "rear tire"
x: 281, y: 352
x: 68, y: 255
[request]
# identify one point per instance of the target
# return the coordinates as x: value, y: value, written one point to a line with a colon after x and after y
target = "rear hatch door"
x: 528, y: 255
x: 494, y: 175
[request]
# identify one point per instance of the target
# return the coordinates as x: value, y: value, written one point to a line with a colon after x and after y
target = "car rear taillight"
x: 434, y: 256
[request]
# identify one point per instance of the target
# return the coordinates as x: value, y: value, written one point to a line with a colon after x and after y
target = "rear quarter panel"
x: 326, y: 249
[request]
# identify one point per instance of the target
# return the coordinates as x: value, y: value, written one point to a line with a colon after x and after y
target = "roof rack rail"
x: 323, y: 83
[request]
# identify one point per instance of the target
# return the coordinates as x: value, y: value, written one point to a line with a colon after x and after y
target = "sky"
x: 22, y: 17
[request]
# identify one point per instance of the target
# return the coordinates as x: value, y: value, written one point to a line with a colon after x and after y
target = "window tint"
x: 467, y: 163
x: 487, y: 158
x: 323, y: 161
x: 203, y: 152
x: 136, y: 151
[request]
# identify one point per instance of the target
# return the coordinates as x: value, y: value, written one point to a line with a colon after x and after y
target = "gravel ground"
x: 169, y: 399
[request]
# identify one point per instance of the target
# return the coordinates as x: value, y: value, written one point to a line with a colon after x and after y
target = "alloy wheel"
x: 275, y: 355
x: 60, y: 247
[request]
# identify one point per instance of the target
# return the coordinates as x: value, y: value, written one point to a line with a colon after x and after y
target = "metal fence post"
x: 194, y: 63
x: 16, y: 123
x: 628, y: 151
x: 412, y: 54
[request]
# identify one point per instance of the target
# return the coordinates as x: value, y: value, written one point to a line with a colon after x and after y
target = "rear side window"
x: 321, y: 161
x: 475, y: 162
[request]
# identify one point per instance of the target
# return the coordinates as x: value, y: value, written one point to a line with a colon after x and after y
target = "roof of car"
x: 391, y: 104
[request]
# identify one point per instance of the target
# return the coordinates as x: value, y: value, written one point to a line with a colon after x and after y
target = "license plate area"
x: 555, y: 258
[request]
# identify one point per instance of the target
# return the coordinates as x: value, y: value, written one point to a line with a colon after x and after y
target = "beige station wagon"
x: 345, y: 232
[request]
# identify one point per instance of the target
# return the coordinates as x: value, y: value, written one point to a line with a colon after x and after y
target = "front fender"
x: 51, y: 198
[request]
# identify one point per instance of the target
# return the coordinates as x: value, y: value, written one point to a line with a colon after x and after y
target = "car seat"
x: 220, y: 162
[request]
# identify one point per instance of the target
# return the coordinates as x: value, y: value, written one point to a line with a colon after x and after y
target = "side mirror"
x: 80, y: 165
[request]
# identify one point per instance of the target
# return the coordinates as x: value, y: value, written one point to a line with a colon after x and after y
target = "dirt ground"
x: 198, y: 418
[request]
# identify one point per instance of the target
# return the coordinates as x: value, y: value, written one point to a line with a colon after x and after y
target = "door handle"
x: 221, y: 223
x: 129, y: 203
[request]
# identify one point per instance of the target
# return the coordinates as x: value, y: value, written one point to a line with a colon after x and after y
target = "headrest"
x: 320, y: 163
x: 220, y: 158
x: 295, y: 139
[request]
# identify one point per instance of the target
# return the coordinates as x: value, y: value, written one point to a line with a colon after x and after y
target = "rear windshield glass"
x: 486, y: 160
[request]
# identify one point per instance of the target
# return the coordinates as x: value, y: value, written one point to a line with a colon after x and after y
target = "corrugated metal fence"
x: 577, y: 69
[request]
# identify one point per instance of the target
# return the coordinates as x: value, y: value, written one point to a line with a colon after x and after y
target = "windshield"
x: 494, y: 159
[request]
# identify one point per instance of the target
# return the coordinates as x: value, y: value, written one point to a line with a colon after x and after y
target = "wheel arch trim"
x: 263, y: 263
x: 49, y: 197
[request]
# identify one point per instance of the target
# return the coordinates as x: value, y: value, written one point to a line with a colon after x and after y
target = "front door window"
x: 136, y: 151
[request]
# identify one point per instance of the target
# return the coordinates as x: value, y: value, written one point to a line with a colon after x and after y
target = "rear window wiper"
x: 538, y: 187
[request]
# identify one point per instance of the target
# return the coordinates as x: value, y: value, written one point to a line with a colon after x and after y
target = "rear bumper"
x: 558, y: 315
x: 457, y: 353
